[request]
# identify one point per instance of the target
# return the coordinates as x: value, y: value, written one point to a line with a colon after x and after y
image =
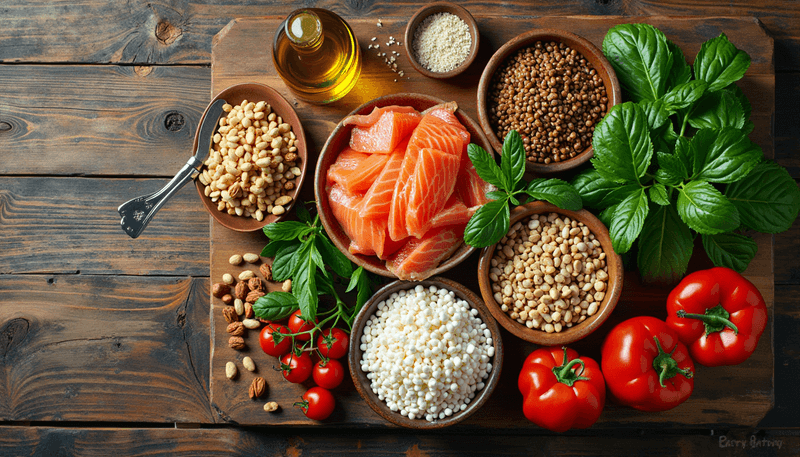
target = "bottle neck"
x: 304, y: 30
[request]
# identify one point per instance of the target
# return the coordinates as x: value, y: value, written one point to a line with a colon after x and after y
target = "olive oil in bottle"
x: 317, y: 55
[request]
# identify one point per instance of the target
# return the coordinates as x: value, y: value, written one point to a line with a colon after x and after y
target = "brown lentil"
x: 547, y: 281
x: 552, y: 96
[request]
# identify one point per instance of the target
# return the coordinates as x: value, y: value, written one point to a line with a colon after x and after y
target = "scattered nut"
x: 238, y: 305
x: 266, y: 271
x: 219, y: 289
x: 287, y: 285
x: 258, y: 387
x: 237, y: 342
x: 230, y: 315
x: 250, y: 257
x: 227, y: 278
x: 252, y: 324
x: 227, y: 299
x: 235, y: 329
x: 271, y: 406
x: 248, y: 310
x: 284, y: 200
x: 235, y: 259
x: 246, y: 275
x: 254, y: 295
x: 248, y: 363
x: 240, y: 291
x: 255, y: 284
x: 230, y: 370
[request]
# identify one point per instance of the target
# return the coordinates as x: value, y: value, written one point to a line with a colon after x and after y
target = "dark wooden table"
x: 105, y: 341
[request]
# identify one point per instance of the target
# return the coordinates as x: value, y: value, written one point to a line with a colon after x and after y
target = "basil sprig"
x: 676, y: 161
x: 303, y: 253
x: 491, y: 221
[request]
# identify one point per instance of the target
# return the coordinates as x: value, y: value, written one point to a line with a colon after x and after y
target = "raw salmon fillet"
x: 366, y: 120
x: 384, y: 136
x: 367, y: 236
x: 429, y: 188
x: 455, y: 212
x: 378, y: 198
x: 471, y: 187
x: 358, y: 178
x: 346, y: 162
x: 416, y: 260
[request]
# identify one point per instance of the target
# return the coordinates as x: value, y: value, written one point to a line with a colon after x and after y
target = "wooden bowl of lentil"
x: 593, y: 292
x: 340, y: 138
x: 283, y: 111
x: 557, y: 137
x: 437, y: 56
x: 363, y: 383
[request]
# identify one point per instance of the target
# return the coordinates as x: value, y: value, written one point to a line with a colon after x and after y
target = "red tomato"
x: 328, y: 373
x: 317, y: 404
x: 333, y: 343
x: 268, y: 343
x: 297, y: 324
x: 296, y: 368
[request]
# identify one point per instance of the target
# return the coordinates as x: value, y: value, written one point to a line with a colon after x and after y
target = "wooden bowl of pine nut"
x: 555, y: 278
x: 252, y: 177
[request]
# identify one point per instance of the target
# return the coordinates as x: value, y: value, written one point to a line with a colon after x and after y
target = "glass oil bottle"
x: 317, y: 55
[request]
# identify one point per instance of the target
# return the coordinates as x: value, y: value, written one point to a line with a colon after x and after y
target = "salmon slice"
x: 384, y: 136
x: 416, y: 260
x: 432, y: 132
x: 347, y: 161
x: 367, y: 120
x: 378, y: 199
x: 455, y: 212
x: 397, y: 208
x: 363, y: 175
x: 471, y: 187
x: 429, y: 188
x: 367, y: 236
x: 446, y: 112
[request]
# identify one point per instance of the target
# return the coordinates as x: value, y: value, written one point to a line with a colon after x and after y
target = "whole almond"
x: 248, y: 310
x: 253, y: 296
x: 287, y: 285
x: 271, y: 406
x: 266, y: 271
x: 227, y: 278
x: 235, y: 329
x: 236, y: 342
x: 235, y: 259
x: 230, y: 370
x: 258, y: 387
x: 240, y: 291
x: 255, y: 284
x: 248, y: 363
x: 219, y: 289
x: 230, y: 315
x: 252, y: 324
x: 250, y: 257
x: 238, y: 305
x: 246, y: 274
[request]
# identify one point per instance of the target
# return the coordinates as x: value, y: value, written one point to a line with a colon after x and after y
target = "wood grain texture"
x: 749, y: 394
x: 99, y: 120
x: 103, y: 348
x: 115, y: 442
x: 69, y: 225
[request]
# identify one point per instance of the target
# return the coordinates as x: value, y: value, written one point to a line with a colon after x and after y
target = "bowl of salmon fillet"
x: 395, y: 187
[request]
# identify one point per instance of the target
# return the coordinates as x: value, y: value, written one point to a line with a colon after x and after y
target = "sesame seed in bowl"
x: 442, y: 39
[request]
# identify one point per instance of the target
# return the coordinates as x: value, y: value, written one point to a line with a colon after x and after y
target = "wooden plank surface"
x: 749, y: 388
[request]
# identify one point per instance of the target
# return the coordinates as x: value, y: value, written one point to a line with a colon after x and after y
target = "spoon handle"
x: 136, y: 213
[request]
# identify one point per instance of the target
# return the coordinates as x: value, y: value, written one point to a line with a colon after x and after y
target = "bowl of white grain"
x: 442, y: 40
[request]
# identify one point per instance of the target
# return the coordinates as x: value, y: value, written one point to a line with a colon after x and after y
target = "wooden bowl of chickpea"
x: 257, y: 161
x: 555, y: 278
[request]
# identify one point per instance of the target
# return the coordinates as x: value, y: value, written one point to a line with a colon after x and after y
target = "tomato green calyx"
x: 666, y: 366
x: 715, y: 319
x: 565, y: 373
x: 303, y: 405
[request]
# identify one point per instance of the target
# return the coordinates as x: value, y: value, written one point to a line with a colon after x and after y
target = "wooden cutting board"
x: 723, y: 396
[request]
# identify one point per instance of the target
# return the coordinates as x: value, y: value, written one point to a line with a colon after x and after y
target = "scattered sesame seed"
x: 374, y: 38
x: 369, y: 47
x: 377, y: 45
x: 379, y: 24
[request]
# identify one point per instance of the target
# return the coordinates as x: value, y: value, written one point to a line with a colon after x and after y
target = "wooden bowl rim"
x: 580, y: 44
x: 578, y: 331
x: 284, y: 109
x: 332, y: 226
x: 360, y: 378
x: 442, y: 7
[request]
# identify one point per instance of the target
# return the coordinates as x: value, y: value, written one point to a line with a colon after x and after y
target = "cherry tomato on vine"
x: 328, y: 373
x: 317, y: 404
x: 268, y: 344
x: 297, y: 324
x: 333, y: 343
x: 296, y: 368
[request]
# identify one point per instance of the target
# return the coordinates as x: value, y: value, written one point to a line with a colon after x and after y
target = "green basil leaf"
x: 672, y: 170
x: 680, y: 72
x: 316, y: 256
x: 363, y: 285
x: 555, y: 191
x: 496, y: 194
x: 597, y: 192
x: 665, y: 246
x: 705, y: 209
x: 664, y: 138
x: 658, y: 194
x: 488, y: 225
x: 748, y: 127
x: 720, y: 63
x: 304, y: 288
x: 734, y: 90
x: 333, y: 257
x: 656, y: 113
x: 607, y: 214
x: 272, y: 247
x: 303, y: 214
x: 730, y: 250
x: 485, y: 165
x: 512, y: 160
x: 685, y: 94
x: 723, y: 156
x: 627, y: 221
x: 324, y: 284
x: 288, y: 230
x: 641, y: 58
x: 285, y: 262
x: 768, y: 198
x: 622, y: 146
x: 717, y: 110
x: 275, y: 306
x: 683, y: 151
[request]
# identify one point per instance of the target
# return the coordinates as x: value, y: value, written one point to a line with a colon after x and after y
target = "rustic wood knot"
x: 167, y: 33
x: 13, y: 333
x: 174, y: 121
x: 4, y: 126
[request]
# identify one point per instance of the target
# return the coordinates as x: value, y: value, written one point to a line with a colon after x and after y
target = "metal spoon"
x: 136, y: 213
